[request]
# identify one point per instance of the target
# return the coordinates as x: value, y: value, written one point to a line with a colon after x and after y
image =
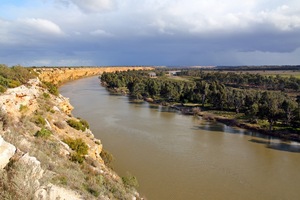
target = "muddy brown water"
x: 184, y: 157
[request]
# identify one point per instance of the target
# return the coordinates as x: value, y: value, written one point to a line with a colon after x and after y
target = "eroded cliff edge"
x: 36, y: 162
x: 60, y: 75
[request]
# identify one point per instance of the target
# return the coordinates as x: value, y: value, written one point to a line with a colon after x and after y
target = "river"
x: 184, y: 157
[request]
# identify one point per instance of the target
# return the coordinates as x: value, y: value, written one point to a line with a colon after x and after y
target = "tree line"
x: 247, y: 80
x: 212, y: 91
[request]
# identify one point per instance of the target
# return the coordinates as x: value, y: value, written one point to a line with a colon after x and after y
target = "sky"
x: 149, y: 32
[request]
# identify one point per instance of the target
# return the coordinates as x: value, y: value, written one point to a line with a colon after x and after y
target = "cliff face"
x: 35, y: 160
x: 62, y: 75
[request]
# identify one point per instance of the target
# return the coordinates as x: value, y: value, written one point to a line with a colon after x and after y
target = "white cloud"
x: 283, y: 18
x: 100, y: 32
x: 229, y: 16
x: 41, y: 25
x: 30, y: 32
x: 94, y: 6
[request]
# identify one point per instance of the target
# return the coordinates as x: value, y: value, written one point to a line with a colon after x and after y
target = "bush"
x: 2, y: 89
x: 13, y: 83
x: 84, y: 123
x: 78, y: 125
x: 46, y: 95
x: 130, y: 181
x: 15, y: 76
x: 52, y: 88
x: 39, y: 120
x: 23, y: 108
x: 107, y: 158
x: 75, y: 157
x: 80, y: 148
x: 43, y: 133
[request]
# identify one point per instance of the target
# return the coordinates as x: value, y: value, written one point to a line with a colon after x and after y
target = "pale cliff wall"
x: 61, y: 75
x: 34, y: 167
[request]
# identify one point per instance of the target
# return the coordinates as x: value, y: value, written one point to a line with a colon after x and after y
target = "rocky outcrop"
x: 53, y: 192
x: 29, y: 169
x: 41, y: 167
x: 7, y: 151
x: 64, y: 105
x: 24, y: 96
x: 60, y: 75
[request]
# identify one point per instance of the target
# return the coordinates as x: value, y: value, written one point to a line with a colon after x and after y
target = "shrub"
x: 39, y: 120
x: 23, y: 108
x: 93, y: 189
x: 75, y: 157
x: 15, y: 76
x: 107, y: 158
x: 14, y: 83
x: 78, y: 125
x: 43, y: 133
x: 2, y: 89
x: 46, y: 95
x: 130, y: 181
x: 52, y: 88
x: 84, y: 123
x: 80, y: 148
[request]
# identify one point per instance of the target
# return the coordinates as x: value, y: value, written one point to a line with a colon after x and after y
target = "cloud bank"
x: 150, y: 32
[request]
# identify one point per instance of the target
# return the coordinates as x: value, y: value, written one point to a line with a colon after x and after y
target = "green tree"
x: 270, y: 107
x: 288, y: 105
x: 203, y: 89
x: 298, y: 102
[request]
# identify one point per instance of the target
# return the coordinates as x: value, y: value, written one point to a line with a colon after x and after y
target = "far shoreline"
x: 283, y: 135
x: 209, y: 116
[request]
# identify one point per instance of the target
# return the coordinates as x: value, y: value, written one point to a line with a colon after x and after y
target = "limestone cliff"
x: 61, y: 75
x: 35, y: 160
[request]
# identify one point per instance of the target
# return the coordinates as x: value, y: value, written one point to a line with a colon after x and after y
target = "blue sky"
x: 149, y: 32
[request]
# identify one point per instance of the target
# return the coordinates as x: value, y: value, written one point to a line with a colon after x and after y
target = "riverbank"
x: 230, y: 121
x: 210, y: 115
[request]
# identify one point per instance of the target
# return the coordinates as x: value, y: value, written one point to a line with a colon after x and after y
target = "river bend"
x: 183, y: 157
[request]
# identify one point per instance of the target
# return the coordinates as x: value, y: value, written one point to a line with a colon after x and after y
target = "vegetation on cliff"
x: 14, y: 76
x: 53, y: 159
x: 269, y: 103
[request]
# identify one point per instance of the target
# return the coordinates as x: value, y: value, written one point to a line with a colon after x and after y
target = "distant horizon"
x: 160, y: 66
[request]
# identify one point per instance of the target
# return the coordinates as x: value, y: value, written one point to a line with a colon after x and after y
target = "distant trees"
x: 241, y: 93
x: 247, y: 80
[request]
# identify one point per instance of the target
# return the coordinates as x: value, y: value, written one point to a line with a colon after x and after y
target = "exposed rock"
x: 95, y: 152
x: 7, y: 150
x: 26, y: 176
x: 89, y: 133
x: 29, y: 169
x: 53, y: 192
x: 55, y: 108
x: 64, y: 104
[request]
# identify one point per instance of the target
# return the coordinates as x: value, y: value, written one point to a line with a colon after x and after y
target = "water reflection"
x: 269, y: 142
x: 280, y: 145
